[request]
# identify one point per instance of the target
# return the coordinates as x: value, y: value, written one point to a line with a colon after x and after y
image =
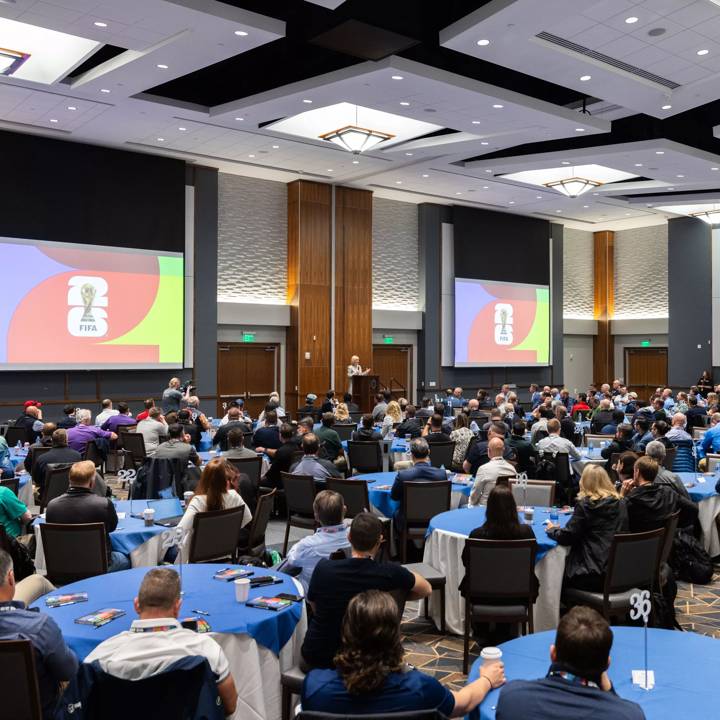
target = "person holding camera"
x: 173, y: 395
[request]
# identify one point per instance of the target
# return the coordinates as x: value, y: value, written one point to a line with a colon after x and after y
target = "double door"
x: 250, y: 372
x: 645, y: 370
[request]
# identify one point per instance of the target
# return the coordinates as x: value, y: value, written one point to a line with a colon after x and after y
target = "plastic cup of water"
x: 242, y: 589
x: 490, y: 655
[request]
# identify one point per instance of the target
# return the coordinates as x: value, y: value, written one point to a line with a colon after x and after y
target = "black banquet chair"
x: 365, y: 457
x: 21, y: 693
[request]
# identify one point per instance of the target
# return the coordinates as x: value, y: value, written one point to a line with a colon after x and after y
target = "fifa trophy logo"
x: 87, y: 300
x: 87, y: 293
x: 503, y: 324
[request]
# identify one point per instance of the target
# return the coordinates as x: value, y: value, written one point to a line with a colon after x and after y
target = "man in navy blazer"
x: 421, y: 471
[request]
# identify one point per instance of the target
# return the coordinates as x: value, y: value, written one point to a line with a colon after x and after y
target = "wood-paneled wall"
x: 604, y: 305
x: 353, y: 280
x: 308, y: 291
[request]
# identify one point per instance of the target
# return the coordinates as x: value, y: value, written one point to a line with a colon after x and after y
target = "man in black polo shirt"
x: 411, y: 425
x: 59, y: 454
x: 234, y: 421
x: 335, y: 582
x: 282, y: 459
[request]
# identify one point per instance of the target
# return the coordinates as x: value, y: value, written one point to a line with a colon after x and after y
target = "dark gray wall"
x: 430, y: 219
x: 689, y: 300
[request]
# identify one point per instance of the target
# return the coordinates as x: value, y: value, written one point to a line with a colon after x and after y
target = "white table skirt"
x: 25, y: 494
x: 443, y: 550
x: 708, y: 510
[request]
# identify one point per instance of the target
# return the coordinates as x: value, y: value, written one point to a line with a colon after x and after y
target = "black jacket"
x: 524, y: 452
x: 649, y: 505
x: 567, y: 429
x: 603, y: 418
x: 411, y: 426
x: 365, y: 435
x: 56, y: 455
x: 589, y: 534
x: 616, y: 446
x: 281, y: 461
x: 222, y: 432
x: 26, y: 422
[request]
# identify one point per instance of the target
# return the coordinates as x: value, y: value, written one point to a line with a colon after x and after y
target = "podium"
x: 364, y: 390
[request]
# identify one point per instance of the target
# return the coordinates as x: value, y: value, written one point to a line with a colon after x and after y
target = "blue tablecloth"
x: 131, y: 532
x: 698, y: 489
x: 205, y: 441
x: 17, y: 458
x: 117, y: 590
x: 464, y: 520
x: 685, y: 666
x: 379, y: 492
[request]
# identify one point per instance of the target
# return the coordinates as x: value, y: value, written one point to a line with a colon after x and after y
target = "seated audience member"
x: 213, y: 492
x: 710, y: 442
x: 282, y: 459
x: 267, y: 436
x: 157, y: 640
x: 330, y: 536
x: 367, y: 431
x: 273, y: 403
x: 580, y: 406
x: 234, y: 421
x: 434, y: 431
x: 59, y: 454
x: 478, y: 453
x: 197, y: 415
x: 411, y: 425
x: 488, y: 474
x: 123, y: 417
x: 620, y: 444
x: 668, y: 400
x: 642, y: 435
x: 55, y: 662
x: 28, y: 585
x: 178, y: 447
x: 342, y: 415
x: 649, y: 503
x: 676, y: 433
x: 599, y: 515
x: 617, y: 418
x: 190, y: 428
x: 656, y: 451
x: 461, y: 436
x: 329, y: 402
x: 81, y: 505
x: 329, y: 440
x: 152, y: 428
x: 659, y: 430
x: 44, y: 440
x: 13, y: 512
x: 149, y: 403
x: 84, y: 432
x: 311, y: 464
x: 603, y: 417
x: 381, y: 403
x: 351, y: 406
x: 370, y: 676
x: 554, y: 443
x: 31, y: 421
x: 7, y: 469
x: 107, y: 412
x: 539, y: 429
x: 393, y: 416
x: 335, y: 582
x: 632, y: 403
x: 309, y: 407
x: 420, y: 471
x: 567, y: 426
x: 658, y: 410
x: 695, y: 414
x: 68, y: 418
x: 523, y: 449
x: 577, y: 684
x: 236, y: 449
x: 426, y: 408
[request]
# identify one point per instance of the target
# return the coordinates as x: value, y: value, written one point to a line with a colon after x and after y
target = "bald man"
x: 488, y: 474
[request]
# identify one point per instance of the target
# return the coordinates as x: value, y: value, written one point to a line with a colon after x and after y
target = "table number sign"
x: 641, y: 607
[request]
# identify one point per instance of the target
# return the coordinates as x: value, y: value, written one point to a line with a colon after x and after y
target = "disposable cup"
x: 490, y: 655
x: 242, y: 589
x: 149, y: 516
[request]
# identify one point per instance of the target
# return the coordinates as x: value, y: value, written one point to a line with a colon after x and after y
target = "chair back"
x: 35, y: 452
x: 12, y: 483
x: 74, y: 552
x: 354, y: 493
x: 684, y: 460
x: 633, y: 561
x: 300, y: 493
x: 698, y: 432
x: 216, y: 534
x: 344, y: 431
x: 614, y: 458
x: 671, y: 524
x: 21, y: 693
x: 57, y: 481
x: 669, y: 458
x: 365, y: 456
x: 250, y: 466
x: 500, y: 569
x: 261, y: 518
x: 134, y: 443
x: 355, y: 417
x: 423, y: 500
x: 14, y: 434
x: 441, y: 454
x: 539, y: 493
x: 713, y: 461
x: 92, y: 453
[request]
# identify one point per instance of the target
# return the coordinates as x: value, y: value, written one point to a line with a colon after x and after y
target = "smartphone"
x: 289, y: 596
x: 263, y: 580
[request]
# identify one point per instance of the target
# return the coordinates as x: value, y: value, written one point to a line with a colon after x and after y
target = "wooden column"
x: 353, y: 281
x: 308, y: 291
x: 604, y: 306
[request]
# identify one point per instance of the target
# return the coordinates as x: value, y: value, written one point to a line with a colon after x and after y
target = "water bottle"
x: 18, y: 447
x: 554, y: 515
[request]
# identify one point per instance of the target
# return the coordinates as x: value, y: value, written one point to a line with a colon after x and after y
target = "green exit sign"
x: 248, y: 337
x: 645, y: 343
x: 388, y: 340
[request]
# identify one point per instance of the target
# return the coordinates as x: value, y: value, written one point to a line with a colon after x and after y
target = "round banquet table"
x: 259, y: 644
x: 701, y: 487
x: 132, y: 537
x: 444, y: 544
x: 684, y: 664
x: 588, y: 456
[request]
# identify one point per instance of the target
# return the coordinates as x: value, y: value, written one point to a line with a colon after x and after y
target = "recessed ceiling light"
x: 458, y: 193
x: 307, y: 102
x: 586, y: 206
x: 485, y: 187
x: 409, y: 154
x: 630, y: 20
x: 488, y: 170
x: 251, y: 156
x: 585, y: 78
x: 329, y: 169
x: 703, y: 52
x: 355, y: 162
x: 497, y: 106
x: 239, y: 119
x: 667, y: 107
x: 538, y: 197
x: 558, y: 211
x: 397, y: 77
x: 425, y: 175
x: 161, y: 139
x: 579, y: 129
x: 398, y: 182
x: 162, y: 66
x: 672, y: 188
x: 512, y: 202
x: 53, y: 120
x: 182, y: 129
x: 104, y: 90
x: 714, y: 168
x: 484, y: 142
x: 564, y: 162
x: 404, y: 104
x: 100, y: 24
x: 241, y: 33
x: 638, y: 164
x: 680, y: 176
x: 475, y: 122
x: 483, y: 43
x: 659, y: 152
x: 71, y: 107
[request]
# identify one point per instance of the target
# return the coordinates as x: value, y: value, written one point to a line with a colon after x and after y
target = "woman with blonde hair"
x: 393, y: 415
x: 342, y: 414
x: 599, y: 514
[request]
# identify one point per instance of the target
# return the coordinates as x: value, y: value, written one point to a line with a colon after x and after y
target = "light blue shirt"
x: 710, y: 441
x: 310, y: 550
x: 669, y: 403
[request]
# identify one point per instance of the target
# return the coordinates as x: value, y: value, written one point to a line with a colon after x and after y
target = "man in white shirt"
x: 157, y: 640
x: 677, y: 432
x: 329, y: 510
x: 488, y: 474
x: 151, y: 429
x: 554, y: 443
x: 106, y: 412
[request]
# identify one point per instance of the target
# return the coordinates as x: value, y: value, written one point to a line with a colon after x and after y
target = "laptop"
x: 168, y: 512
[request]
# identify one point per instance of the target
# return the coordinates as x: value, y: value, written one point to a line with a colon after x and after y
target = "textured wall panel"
x: 577, y: 274
x: 395, y: 255
x: 641, y: 272
x: 252, y: 239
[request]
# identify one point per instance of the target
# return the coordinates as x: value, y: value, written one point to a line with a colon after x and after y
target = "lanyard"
x: 573, y: 679
x: 153, y: 628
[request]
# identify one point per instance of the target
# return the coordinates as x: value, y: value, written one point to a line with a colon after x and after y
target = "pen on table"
x: 201, y: 612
